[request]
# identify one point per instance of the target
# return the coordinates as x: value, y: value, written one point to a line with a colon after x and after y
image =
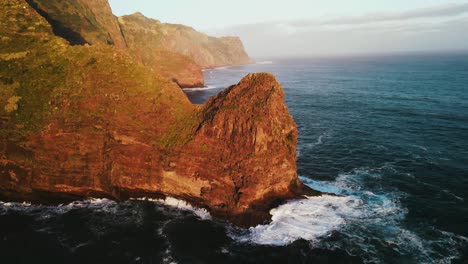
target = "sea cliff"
x: 85, y: 114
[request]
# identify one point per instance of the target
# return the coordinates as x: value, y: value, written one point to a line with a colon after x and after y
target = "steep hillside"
x: 92, y: 22
x: 80, y: 120
x: 81, y: 21
x: 205, y: 50
x: 174, y: 51
x: 62, y: 103
x: 144, y: 41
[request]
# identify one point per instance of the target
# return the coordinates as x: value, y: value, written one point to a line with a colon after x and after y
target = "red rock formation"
x: 80, y: 121
x: 245, y: 145
x: 237, y: 159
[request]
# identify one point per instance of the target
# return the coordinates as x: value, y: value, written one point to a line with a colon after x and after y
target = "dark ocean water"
x: 389, y: 134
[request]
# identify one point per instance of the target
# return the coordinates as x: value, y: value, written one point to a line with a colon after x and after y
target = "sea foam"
x: 354, y: 213
x: 209, y: 87
x: 309, y: 219
x: 180, y: 204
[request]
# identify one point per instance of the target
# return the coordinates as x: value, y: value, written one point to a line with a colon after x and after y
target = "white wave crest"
x: 264, y: 62
x: 12, y: 205
x: 216, y: 68
x: 309, y: 219
x: 316, y: 218
x: 104, y: 205
x: 209, y: 87
x: 180, y: 204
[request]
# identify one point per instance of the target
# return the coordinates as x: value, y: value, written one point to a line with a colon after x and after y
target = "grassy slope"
x: 80, y: 17
x: 205, y: 50
x: 144, y: 42
x: 50, y: 80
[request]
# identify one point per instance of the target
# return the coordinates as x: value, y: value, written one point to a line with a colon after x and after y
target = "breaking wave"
x: 310, y: 219
x: 349, y: 218
x: 180, y: 204
x: 209, y: 87
x: 264, y: 62
x: 358, y: 221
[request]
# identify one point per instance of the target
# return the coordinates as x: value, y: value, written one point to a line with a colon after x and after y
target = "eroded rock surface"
x: 79, y: 121
x: 245, y: 145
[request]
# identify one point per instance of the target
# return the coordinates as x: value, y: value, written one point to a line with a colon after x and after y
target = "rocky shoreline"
x: 100, y: 120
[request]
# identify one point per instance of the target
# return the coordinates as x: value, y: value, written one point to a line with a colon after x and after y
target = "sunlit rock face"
x: 92, y: 120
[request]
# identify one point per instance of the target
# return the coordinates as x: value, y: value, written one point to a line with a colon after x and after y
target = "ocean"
x: 388, y: 134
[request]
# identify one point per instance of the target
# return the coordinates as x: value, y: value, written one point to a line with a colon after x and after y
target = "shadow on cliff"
x: 59, y: 29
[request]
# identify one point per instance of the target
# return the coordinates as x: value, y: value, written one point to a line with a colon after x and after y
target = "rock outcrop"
x: 245, y: 146
x: 79, y: 121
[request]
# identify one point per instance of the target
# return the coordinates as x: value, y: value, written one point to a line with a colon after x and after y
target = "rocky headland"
x: 91, y: 105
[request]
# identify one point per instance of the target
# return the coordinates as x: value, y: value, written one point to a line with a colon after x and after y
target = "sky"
x: 272, y: 28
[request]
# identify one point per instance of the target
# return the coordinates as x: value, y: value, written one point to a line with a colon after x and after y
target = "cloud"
x: 441, y: 11
x: 443, y: 27
x: 422, y: 13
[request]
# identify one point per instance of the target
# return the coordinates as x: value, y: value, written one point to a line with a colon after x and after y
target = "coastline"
x: 258, y: 214
x: 225, y: 66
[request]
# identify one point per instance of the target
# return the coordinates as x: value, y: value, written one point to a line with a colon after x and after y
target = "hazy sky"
x: 319, y: 27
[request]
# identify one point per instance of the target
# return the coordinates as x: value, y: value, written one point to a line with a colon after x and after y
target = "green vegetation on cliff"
x: 42, y: 78
x: 175, y: 52
x: 206, y: 51
x: 105, y: 121
x: 81, y: 21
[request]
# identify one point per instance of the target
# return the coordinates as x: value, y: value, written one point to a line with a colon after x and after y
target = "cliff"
x: 206, y: 51
x: 244, y: 143
x: 144, y: 41
x: 81, y: 21
x: 174, y: 51
x: 79, y: 121
x: 91, y: 22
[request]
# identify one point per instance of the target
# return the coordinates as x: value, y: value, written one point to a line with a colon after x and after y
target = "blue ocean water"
x: 390, y: 130
x: 389, y: 134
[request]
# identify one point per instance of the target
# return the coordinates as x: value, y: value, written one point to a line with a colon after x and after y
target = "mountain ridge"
x: 177, y: 52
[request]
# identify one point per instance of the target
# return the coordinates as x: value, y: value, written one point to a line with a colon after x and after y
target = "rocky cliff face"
x: 245, y: 145
x: 144, y: 41
x: 206, y: 51
x: 91, y: 22
x: 81, y: 21
x: 79, y: 121
x: 176, y: 52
